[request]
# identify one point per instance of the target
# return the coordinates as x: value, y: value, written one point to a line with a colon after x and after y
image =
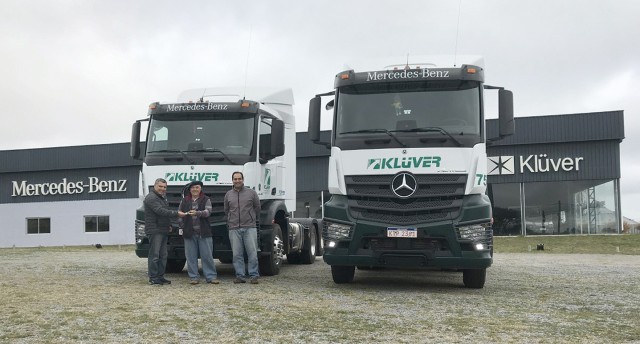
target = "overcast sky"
x: 80, y: 72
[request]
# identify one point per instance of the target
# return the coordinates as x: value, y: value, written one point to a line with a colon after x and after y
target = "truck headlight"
x: 336, y: 231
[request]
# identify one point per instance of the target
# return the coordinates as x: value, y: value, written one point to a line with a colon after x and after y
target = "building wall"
x: 95, y: 180
x: 67, y: 222
x: 594, y: 137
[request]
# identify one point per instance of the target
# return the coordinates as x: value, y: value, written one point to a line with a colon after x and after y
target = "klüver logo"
x: 191, y: 176
x: 535, y: 163
x: 404, y: 184
x: 405, y: 162
x: 541, y: 163
x: 499, y: 165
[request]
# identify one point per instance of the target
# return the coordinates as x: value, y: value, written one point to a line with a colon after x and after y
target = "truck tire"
x: 342, y: 274
x: 474, y: 278
x: 225, y: 260
x: 308, y: 254
x: 175, y: 265
x: 270, y: 264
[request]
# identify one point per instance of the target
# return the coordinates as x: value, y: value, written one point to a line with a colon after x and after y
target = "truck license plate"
x: 393, y: 232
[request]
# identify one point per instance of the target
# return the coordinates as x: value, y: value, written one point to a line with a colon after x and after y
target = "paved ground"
x: 90, y: 295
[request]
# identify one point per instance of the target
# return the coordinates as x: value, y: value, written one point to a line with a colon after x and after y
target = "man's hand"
x: 181, y: 214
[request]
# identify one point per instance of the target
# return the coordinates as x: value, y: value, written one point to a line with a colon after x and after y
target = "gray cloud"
x: 81, y: 72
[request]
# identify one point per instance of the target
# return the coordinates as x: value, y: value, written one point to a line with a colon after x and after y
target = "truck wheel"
x: 225, y: 260
x: 474, y: 278
x: 342, y: 274
x: 175, y: 265
x: 270, y: 264
x: 309, y: 252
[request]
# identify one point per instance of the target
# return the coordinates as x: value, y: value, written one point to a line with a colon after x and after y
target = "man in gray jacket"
x: 242, y: 208
x: 157, y: 225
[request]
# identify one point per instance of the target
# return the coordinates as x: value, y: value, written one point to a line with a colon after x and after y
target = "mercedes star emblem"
x: 404, y: 184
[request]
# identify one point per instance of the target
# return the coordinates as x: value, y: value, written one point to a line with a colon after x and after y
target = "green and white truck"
x: 208, y: 134
x: 408, y: 170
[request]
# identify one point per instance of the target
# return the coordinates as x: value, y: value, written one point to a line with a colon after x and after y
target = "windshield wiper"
x: 174, y: 151
x: 431, y: 129
x: 364, y: 131
x: 214, y: 150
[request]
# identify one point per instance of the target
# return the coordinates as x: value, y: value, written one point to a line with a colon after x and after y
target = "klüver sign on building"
x: 65, y: 187
x: 540, y: 163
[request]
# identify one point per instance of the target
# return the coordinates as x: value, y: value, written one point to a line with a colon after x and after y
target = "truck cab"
x: 206, y: 136
x: 407, y: 172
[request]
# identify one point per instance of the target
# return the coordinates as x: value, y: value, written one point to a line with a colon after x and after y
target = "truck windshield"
x: 448, y: 111
x: 226, y: 135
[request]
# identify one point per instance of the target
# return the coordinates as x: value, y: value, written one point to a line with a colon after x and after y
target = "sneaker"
x: 164, y: 280
x: 155, y: 282
x: 254, y: 280
x: 213, y: 281
x: 239, y: 280
x: 194, y: 282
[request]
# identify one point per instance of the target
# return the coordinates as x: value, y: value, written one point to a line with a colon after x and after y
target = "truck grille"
x: 216, y: 193
x: 437, y: 198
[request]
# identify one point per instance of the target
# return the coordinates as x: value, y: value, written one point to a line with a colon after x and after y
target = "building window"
x: 567, y: 207
x: 39, y: 225
x: 96, y: 223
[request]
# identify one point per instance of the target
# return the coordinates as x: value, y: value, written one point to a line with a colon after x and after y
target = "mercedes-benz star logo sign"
x: 404, y: 184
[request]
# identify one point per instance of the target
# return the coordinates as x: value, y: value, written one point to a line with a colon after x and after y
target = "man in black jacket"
x: 157, y: 225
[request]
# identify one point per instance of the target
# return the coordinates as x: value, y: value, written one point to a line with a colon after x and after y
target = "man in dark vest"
x: 196, y: 232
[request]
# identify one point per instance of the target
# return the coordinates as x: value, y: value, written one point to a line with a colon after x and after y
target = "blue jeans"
x: 244, y: 239
x: 157, y: 257
x: 204, y: 247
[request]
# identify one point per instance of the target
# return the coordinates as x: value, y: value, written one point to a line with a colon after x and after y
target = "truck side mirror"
x: 314, y: 119
x: 135, y: 140
x: 277, y: 138
x: 506, y: 124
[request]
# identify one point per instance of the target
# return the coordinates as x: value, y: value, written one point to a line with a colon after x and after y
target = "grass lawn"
x: 594, y: 244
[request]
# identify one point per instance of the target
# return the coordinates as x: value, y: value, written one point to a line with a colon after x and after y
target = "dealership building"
x: 557, y: 175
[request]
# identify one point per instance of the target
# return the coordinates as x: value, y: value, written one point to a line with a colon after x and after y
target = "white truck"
x: 207, y: 135
x: 408, y: 169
